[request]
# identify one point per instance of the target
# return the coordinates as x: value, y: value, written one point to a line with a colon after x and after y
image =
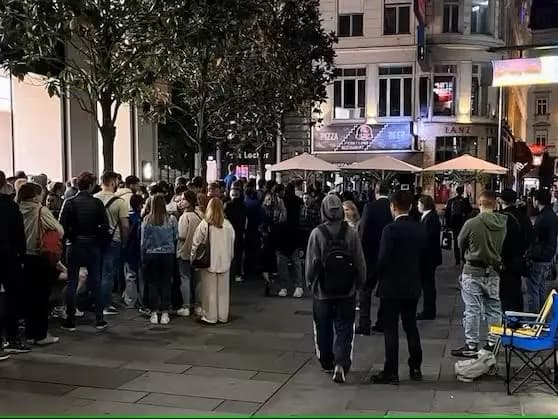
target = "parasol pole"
x: 498, y: 156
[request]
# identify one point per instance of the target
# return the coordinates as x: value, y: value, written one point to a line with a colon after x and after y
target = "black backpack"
x: 338, y: 274
x: 457, y: 210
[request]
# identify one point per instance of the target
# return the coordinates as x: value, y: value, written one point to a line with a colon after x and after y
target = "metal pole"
x: 498, y: 155
x: 12, y: 129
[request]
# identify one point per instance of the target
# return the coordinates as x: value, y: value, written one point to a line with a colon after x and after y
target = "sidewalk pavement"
x: 261, y: 363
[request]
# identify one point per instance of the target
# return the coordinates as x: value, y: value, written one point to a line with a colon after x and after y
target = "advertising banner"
x: 362, y: 138
x: 525, y: 71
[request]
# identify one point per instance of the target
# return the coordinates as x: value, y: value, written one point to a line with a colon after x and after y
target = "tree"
x: 102, y: 52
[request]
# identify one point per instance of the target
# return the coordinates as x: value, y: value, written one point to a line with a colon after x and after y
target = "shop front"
x: 247, y: 162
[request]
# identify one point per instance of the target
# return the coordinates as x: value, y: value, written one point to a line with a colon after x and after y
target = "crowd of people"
x: 174, y: 250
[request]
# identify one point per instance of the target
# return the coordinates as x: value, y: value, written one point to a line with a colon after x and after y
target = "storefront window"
x: 448, y: 148
x: 444, y: 90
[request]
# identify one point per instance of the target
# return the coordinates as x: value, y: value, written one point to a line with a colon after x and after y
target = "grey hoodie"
x: 332, y: 216
x: 482, y: 238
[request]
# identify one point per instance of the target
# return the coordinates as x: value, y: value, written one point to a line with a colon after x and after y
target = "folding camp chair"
x: 528, y: 340
x: 525, y: 329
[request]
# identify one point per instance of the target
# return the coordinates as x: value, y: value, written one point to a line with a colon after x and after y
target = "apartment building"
x: 423, y: 96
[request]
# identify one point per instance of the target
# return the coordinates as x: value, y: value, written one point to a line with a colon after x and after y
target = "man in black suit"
x: 458, y: 210
x: 433, y: 256
x: 375, y: 217
x: 402, y: 249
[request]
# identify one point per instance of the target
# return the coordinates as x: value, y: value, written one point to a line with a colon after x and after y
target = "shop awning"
x: 304, y: 162
x: 467, y: 163
x: 384, y: 163
x: 343, y: 160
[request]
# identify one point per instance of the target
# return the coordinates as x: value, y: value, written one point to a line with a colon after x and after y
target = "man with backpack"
x: 85, y: 229
x: 402, y: 253
x: 335, y: 269
x: 117, y: 212
x: 458, y: 209
x: 519, y: 234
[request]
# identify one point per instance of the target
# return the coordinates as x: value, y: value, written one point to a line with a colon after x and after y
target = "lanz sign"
x: 362, y: 138
x: 459, y: 129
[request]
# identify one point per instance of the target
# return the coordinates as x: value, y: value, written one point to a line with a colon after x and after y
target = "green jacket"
x: 482, y: 238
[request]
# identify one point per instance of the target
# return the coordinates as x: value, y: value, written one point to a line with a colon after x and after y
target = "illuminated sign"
x: 420, y: 11
x: 525, y: 71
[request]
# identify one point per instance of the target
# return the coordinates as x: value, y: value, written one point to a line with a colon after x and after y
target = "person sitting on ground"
x: 334, y: 273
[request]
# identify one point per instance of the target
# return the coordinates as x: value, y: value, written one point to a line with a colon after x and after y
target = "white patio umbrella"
x: 305, y: 162
x: 384, y: 164
x: 467, y: 163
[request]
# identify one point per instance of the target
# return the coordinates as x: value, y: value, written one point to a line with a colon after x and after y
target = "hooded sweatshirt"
x: 482, y: 238
x: 332, y: 217
x: 30, y: 212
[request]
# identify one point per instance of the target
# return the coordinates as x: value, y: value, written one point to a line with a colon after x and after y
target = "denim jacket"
x: 159, y: 239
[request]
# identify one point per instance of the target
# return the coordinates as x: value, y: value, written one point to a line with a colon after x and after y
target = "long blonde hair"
x: 351, y: 205
x: 158, y: 211
x: 215, y: 215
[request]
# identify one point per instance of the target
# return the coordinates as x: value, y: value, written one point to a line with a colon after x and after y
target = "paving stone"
x: 257, y: 342
x: 122, y: 352
x: 538, y: 404
x: 134, y: 409
x: 212, y: 387
x: 182, y: 402
x: 462, y: 402
x: 221, y: 372
x: 367, y: 398
x: 16, y: 403
x: 308, y: 400
x: 157, y: 366
x: 35, y: 387
x: 110, y: 395
x: 76, y: 375
x: 70, y: 359
x: 281, y: 363
x: 271, y: 376
x: 244, y: 408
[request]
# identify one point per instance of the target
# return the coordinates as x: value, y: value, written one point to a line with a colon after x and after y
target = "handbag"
x: 50, y: 245
x: 203, y: 253
x: 447, y: 240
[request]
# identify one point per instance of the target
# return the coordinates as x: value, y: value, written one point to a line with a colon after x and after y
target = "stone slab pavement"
x: 262, y: 363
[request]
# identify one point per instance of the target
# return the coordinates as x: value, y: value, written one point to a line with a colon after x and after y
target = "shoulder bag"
x: 50, y: 245
x: 203, y: 252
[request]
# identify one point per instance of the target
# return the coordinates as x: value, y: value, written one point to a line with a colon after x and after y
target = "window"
x: 450, y: 147
x: 479, y: 91
x: 397, y: 19
x: 349, y: 93
x: 451, y: 16
x: 541, y: 136
x: 396, y: 95
x: 444, y: 90
x: 541, y: 106
x: 350, y: 25
x: 480, y: 12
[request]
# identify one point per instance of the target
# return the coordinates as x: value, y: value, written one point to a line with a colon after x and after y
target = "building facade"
x: 420, y: 92
x: 54, y: 136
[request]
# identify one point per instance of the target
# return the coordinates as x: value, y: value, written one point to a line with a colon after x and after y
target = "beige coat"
x: 30, y: 212
x: 187, y: 225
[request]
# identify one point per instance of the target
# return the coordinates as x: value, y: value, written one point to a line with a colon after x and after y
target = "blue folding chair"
x: 527, y: 347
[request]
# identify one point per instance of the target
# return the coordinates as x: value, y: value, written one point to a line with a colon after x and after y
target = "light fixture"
x: 147, y: 170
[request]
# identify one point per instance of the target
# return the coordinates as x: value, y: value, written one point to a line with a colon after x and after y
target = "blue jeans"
x: 87, y: 255
x: 188, y: 283
x: 536, y: 291
x: 287, y: 264
x: 110, y: 269
x: 481, y: 295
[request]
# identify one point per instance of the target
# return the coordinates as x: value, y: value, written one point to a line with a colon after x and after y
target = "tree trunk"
x: 108, y: 134
x: 261, y: 163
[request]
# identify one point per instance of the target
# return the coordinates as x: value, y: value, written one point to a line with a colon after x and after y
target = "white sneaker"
x: 165, y: 319
x: 79, y: 313
x: 298, y: 293
x: 4, y: 357
x: 238, y: 278
x: 339, y: 374
x: 48, y: 340
x: 198, y: 311
x: 183, y: 312
x: 154, y: 318
x: 282, y: 293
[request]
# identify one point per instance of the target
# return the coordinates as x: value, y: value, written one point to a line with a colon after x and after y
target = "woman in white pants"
x: 215, y: 279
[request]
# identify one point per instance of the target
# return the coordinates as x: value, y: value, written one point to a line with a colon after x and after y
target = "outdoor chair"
x: 528, y: 336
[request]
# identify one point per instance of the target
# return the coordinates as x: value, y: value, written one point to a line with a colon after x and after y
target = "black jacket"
x: 84, y: 218
x: 288, y: 234
x: 236, y: 213
x: 12, y: 234
x: 519, y: 236
x: 432, y: 226
x: 546, y: 231
x: 375, y: 217
x: 453, y: 220
x: 402, y: 251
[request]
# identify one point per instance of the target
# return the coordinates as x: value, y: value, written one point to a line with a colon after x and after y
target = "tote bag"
x: 203, y: 253
x: 50, y: 245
